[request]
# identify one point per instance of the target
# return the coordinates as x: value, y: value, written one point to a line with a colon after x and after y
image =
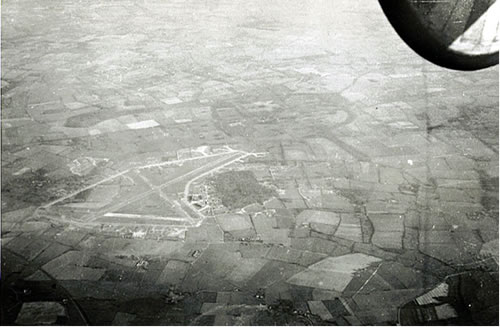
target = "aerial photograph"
x: 249, y: 162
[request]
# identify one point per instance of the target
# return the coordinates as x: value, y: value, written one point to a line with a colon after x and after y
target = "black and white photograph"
x: 249, y: 162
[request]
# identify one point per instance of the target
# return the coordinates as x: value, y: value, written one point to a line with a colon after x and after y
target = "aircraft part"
x: 456, y: 34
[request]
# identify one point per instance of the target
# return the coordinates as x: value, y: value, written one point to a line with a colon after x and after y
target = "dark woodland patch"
x: 237, y: 189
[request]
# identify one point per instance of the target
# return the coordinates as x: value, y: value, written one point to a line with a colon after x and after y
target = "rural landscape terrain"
x: 241, y: 163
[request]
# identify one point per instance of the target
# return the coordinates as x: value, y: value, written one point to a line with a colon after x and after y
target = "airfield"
x: 241, y: 163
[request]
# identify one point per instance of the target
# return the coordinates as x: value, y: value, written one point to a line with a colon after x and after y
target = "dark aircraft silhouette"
x: 456, y: 34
